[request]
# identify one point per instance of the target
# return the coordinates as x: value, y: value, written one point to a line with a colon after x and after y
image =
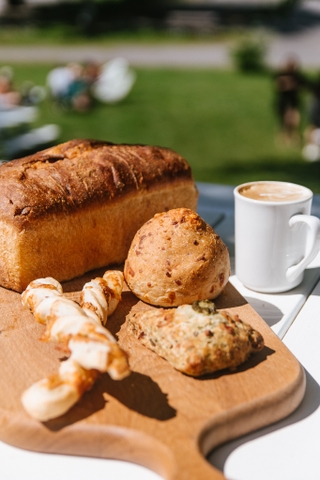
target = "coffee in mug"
x: 275, y: 236
x: 274, y: 191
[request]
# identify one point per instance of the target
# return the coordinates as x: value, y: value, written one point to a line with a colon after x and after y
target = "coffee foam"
x: 274, y: 192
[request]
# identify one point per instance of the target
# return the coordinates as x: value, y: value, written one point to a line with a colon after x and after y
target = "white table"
x: 287, y: 450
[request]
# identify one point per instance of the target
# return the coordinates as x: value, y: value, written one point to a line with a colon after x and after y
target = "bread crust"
x: 75, y: 207
x: 83, y: 173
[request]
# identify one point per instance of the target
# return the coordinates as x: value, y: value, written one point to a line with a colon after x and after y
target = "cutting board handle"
x: 190, y: 464
x: 179, y: 459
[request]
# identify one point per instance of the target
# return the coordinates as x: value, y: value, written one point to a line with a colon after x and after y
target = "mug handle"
x: 312, y: 247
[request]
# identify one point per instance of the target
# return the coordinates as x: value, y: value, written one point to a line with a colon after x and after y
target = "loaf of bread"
x: 75, y: 207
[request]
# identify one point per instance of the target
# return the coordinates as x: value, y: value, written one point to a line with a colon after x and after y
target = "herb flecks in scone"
x: 196, y: 339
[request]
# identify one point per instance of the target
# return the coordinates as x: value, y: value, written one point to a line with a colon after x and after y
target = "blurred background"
x: 232, y: 85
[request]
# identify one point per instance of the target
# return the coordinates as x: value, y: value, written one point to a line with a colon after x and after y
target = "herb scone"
x: 75, y: 207
x: 195, y: 339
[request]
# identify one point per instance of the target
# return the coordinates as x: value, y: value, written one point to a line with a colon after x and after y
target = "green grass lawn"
x: 222, y: 122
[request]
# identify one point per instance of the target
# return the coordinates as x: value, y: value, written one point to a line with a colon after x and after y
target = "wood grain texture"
x: 156, y: 417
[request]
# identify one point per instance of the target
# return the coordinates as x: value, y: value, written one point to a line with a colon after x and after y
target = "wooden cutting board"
x: 156, y: 417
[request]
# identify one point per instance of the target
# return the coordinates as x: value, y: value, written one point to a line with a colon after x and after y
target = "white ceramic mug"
x: 275, y: 236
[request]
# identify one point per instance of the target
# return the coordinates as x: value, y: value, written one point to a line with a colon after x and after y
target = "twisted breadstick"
x: 100, y: 296
x: 93, y: 348
x: 55, y: 395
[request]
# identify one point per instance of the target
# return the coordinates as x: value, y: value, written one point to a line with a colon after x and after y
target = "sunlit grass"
x: 222, y: 122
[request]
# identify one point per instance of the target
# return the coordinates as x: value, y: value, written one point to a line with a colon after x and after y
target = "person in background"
x: 79, y: 90
x: 69, y: 88
x: 91, y: 72
x: 289, y: 82
x: 9, y: 96
x: 314, y: 113
x: 311, y: 149
x: 58, y: 82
